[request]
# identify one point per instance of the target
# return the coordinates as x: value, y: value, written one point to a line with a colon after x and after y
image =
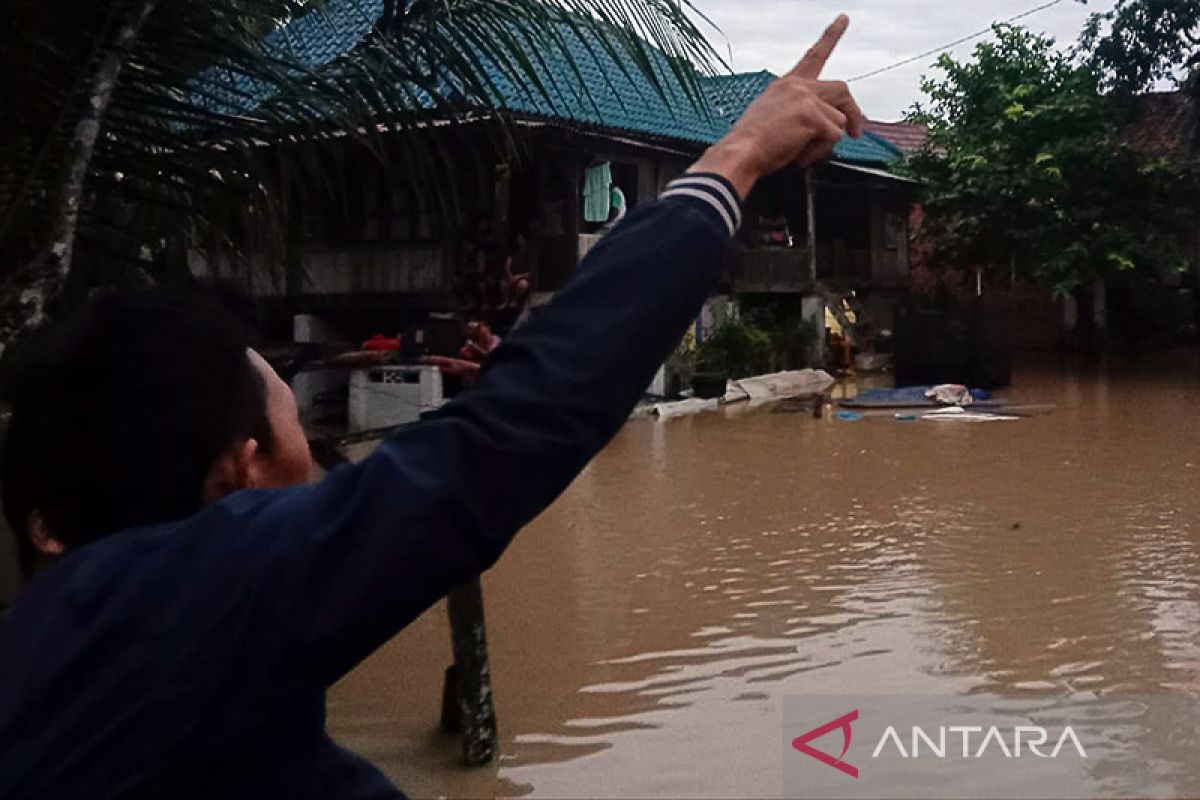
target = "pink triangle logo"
x: 801, y: 743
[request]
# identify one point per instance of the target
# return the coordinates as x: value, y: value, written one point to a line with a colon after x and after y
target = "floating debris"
x: 958, y: 414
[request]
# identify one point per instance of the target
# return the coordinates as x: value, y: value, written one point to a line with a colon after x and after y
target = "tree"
x: 1025, y: 172
x: 126, y: 120
x: 1141, y: 42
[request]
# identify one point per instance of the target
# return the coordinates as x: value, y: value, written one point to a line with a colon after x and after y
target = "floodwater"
x: 646, y: 628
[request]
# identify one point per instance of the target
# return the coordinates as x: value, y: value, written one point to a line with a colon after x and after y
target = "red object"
x: 907, y: 137
x: 380, y: 342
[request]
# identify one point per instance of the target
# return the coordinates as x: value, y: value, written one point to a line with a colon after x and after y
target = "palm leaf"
x: 224, y: 110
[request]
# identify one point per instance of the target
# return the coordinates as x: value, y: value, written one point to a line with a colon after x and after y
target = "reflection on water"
x: 645, y: 629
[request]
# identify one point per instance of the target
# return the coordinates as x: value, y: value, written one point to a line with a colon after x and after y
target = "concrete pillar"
x: 812, y: 311
x: 307, y: 385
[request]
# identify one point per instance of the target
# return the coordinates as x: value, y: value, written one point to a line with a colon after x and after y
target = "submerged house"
x: 380, y: 253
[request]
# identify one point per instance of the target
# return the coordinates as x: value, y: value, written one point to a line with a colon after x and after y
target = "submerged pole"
x: 467, y: 694
x: 468, y: 684
x: 468, y: 690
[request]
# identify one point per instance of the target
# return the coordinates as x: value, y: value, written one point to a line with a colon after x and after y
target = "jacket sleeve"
x: 348, y: 562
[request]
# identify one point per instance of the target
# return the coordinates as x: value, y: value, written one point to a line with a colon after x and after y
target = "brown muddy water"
x: 646, y: 628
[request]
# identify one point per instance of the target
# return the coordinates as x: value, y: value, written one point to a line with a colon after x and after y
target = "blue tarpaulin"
x: 901, y: 397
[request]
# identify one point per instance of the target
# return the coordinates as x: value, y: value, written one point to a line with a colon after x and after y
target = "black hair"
x: 119, y: 411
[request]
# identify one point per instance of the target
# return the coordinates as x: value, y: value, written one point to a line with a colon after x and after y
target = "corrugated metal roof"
x: 730, y: 94
x: 1166, y: 125
x: 906, y: 136
x: 619, y: 96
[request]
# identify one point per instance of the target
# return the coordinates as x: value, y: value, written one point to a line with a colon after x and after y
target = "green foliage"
x: 1025, y: 168
x: 737, y: 348
x: 792, y: 338
x: 769, y: 335
x: 1141, y: 42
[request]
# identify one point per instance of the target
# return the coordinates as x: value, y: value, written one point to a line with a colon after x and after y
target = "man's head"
x: 141, y: 409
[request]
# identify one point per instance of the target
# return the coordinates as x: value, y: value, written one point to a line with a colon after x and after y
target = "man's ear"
x: 39, y: 534
x: 233, y: 471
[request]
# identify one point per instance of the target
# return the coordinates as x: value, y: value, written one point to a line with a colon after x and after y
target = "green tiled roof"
x: 728, y: 95
x: 619, y: 97
x: 314, y: 39
x: 871, y: 148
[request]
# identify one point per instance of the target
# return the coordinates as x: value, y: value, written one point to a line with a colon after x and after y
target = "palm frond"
x: 232, y: 107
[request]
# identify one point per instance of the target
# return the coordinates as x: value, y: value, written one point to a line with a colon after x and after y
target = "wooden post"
x: 501, y: 199
x: 877, y: 262
x: 811, y: 201
x: 468, y: 689
x: 468, y: 684
x: 574, y: 208
x: 810, y: 196
x: 820, y: 400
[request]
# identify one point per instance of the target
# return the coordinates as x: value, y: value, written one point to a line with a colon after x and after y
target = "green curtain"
x: 597, y: 200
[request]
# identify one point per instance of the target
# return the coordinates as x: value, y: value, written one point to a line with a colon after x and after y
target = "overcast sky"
x: 773, y: 34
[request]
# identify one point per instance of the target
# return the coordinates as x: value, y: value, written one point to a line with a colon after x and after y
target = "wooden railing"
x: 843, y: 265
x: 859, y: 267
x: 753, y: 269
x: 769, y: 269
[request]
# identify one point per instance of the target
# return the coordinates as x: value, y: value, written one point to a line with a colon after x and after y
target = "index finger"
x: 814, y: 60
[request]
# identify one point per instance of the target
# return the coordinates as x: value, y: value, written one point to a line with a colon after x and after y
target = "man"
x: 201, y: 596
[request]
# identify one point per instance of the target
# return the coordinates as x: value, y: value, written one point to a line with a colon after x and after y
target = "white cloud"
x: 773, y: 34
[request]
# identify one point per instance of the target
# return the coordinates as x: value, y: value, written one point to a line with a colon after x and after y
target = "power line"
x: 956, y: 42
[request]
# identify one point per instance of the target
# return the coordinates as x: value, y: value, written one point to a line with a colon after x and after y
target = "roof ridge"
x: 614, y: 95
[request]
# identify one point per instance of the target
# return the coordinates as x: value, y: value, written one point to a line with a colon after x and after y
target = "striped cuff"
x: 716, y: 193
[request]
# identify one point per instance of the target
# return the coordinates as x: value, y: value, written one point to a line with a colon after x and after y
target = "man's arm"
x: 341, y: 566
x: 356, y: 557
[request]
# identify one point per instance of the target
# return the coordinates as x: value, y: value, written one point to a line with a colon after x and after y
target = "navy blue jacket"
x: 191, y: 659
